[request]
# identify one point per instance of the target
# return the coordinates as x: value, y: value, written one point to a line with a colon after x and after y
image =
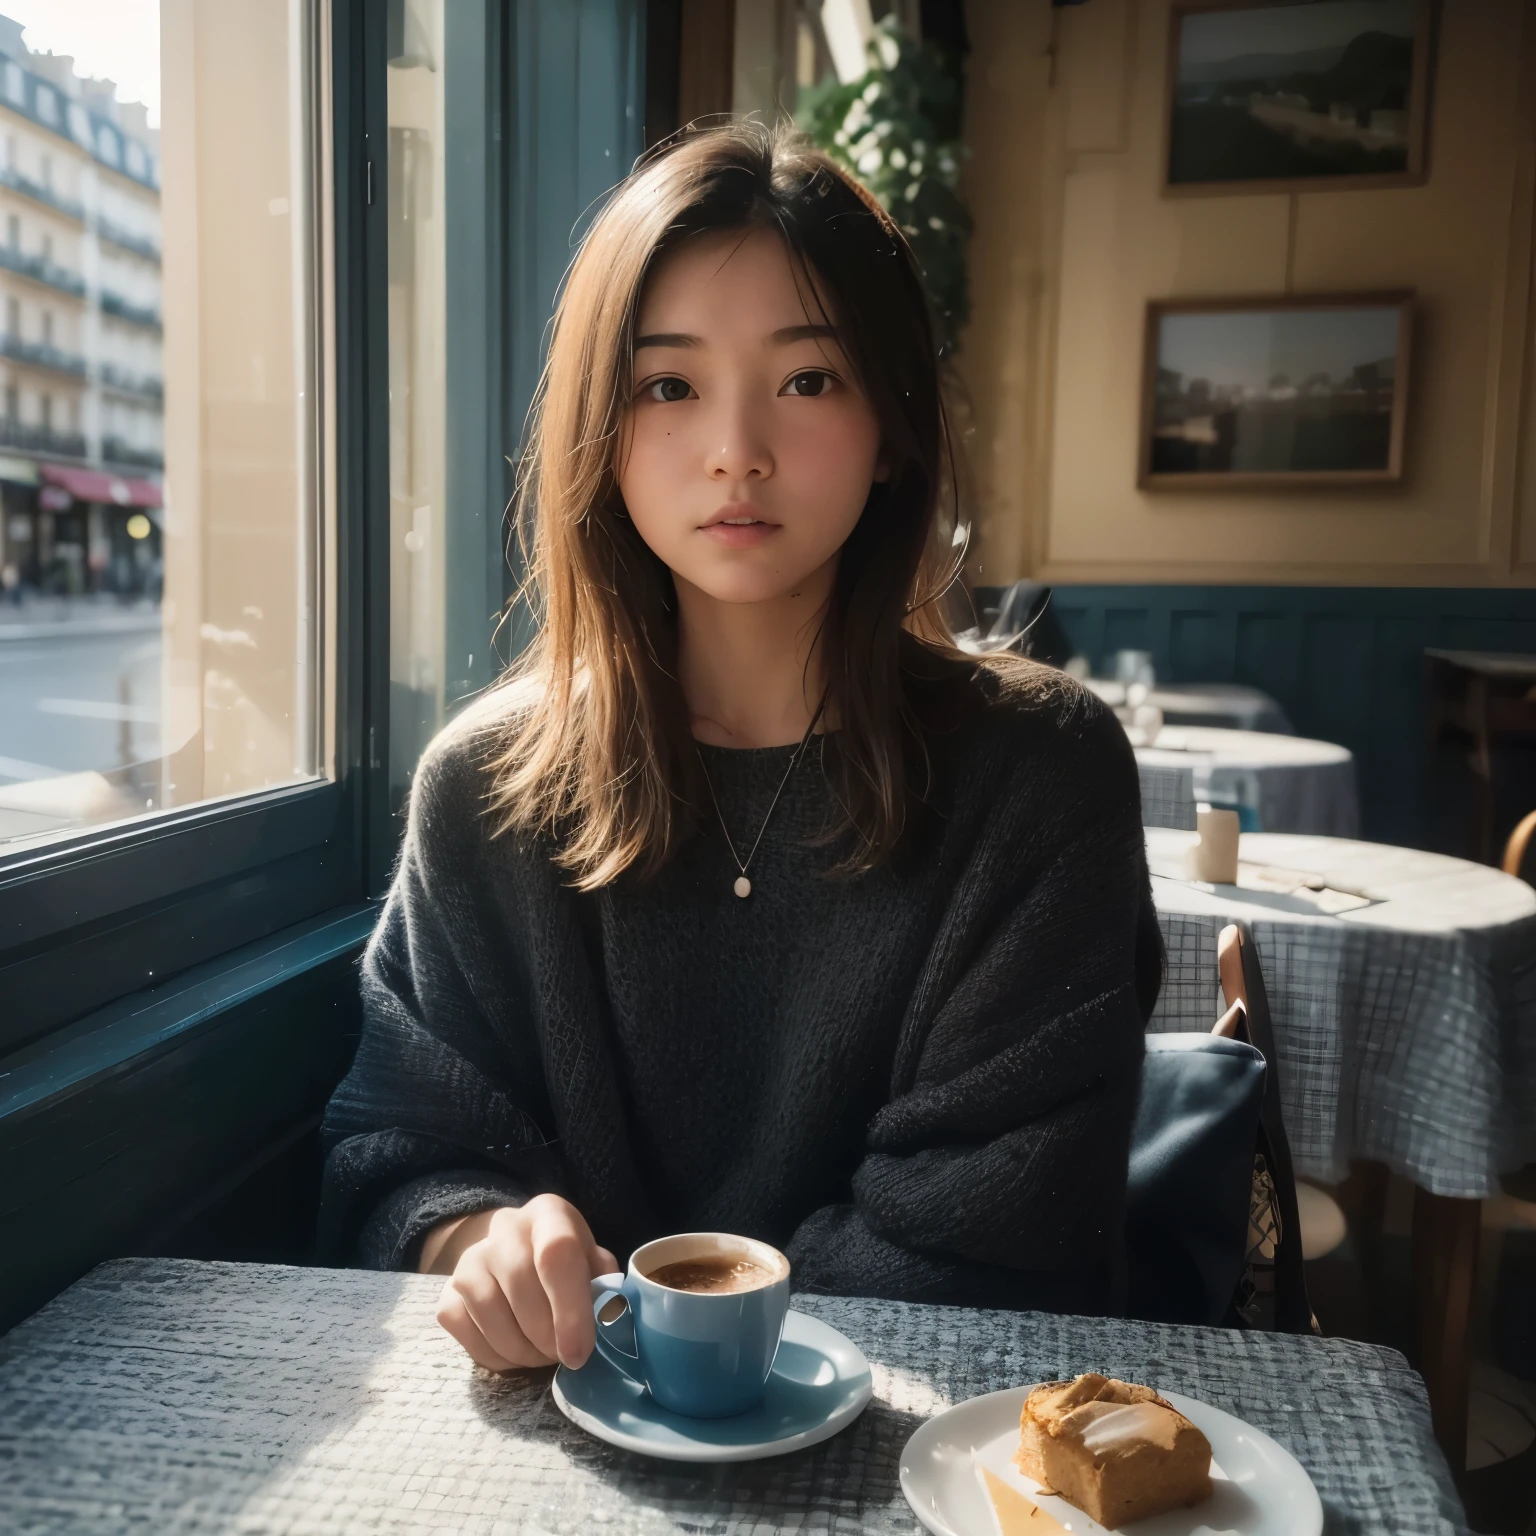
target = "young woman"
x: 749, y: 902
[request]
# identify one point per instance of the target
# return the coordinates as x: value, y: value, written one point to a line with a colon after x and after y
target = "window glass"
x: 163, y: 504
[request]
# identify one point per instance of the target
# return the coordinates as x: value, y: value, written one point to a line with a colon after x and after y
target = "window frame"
x: 91, y: 918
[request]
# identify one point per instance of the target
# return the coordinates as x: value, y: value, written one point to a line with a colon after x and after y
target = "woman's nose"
x: 738, y: 445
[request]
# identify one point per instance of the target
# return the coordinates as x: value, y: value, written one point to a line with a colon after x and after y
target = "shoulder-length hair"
x: 596, y: 748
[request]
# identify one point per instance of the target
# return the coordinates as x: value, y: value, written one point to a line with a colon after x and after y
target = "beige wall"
x: 1073, y: 237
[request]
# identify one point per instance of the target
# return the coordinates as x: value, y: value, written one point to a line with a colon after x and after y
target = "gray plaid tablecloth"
x: 168, y: 1396
x: 1406, y: 1030
x: 1302, y: 785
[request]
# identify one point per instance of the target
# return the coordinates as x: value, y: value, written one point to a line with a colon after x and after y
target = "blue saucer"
x: 820, y: 1384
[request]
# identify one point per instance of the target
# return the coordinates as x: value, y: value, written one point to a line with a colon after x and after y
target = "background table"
x: 169, y: 1396
x: 1406, y: 1032
x: 1303, y: 785
x: 1229, y: 706
x: 1406, y: 1029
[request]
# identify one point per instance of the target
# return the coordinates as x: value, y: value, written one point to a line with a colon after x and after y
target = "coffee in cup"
x: 714, y: 1276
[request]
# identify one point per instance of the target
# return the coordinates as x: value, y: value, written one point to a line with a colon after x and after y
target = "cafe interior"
x: 1236, y: 303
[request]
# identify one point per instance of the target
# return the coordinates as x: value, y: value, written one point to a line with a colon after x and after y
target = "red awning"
x: 92, y: 485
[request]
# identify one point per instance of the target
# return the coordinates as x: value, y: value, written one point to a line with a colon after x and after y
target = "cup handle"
x: 615, y: 1338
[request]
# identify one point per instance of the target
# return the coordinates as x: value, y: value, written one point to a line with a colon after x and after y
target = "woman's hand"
x: 519, y: 1290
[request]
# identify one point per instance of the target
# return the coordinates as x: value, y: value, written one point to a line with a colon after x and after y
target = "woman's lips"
x: 739, y: 527
x: 740, y: 535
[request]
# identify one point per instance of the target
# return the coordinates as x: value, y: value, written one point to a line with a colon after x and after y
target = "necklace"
x: 742, y: 884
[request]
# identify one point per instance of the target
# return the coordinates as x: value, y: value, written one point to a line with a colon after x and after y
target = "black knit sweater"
x: 918, y: 1082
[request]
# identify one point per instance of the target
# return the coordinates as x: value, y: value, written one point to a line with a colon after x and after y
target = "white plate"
x: 819, y: 1385
x: 1260, y: 1488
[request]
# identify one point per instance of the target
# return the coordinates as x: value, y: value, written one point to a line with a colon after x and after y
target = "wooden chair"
x: 1247, y: 1016
x: 1319, y: 1217
x: 1518, y: 845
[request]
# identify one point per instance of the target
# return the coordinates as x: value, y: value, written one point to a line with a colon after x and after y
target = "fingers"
x: 522, y: 1295
x: 454, y: 1317
x: 562, y: 1254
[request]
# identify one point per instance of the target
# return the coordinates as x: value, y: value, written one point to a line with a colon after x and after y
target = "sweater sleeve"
x: 995, y: 1175
x: 437, y: 1117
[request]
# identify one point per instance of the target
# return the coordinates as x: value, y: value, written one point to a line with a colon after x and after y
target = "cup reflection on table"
x: 707, y: 1350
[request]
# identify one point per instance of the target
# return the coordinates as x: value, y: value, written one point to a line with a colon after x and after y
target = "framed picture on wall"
x: 1304, y: 94
x: 1275, y: 393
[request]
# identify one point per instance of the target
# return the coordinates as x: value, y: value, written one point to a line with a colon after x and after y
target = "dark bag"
x: 1191, y: 1176
x: 1212, y: 1231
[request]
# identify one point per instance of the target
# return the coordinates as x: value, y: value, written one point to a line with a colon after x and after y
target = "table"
x: 1223, y: 705
x: 172, y: 1396
x: 1303, y: 785
x: 1406, y: 1032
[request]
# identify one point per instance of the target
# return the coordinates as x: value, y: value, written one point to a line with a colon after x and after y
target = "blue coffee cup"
x: 707, y: 1354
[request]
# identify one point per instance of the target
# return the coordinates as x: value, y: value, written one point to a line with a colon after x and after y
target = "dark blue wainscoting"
x: 1346, y: 663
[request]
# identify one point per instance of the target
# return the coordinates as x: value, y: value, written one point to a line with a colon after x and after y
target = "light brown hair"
x: 597, y: 749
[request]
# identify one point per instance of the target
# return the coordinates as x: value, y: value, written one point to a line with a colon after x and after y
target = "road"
x: 84, y: 696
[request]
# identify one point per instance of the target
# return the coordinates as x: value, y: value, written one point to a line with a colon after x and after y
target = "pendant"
x: 743, y: 886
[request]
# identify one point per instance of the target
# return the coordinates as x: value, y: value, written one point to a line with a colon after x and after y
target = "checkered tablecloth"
x: 1406, y: 1030
x: 1302, y: 785
x: 175, y: 1397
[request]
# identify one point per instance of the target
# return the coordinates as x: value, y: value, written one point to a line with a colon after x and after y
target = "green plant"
x: 898, y: 130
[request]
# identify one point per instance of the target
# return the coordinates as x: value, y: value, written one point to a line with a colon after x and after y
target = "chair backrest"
x: 1518, y: 846
x: 1243, y: 990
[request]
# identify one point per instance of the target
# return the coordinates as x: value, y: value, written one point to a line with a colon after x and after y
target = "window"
x: 47, y: 248
x: 224, y: 664
x: 47, y: 105
x: 13, y: 318
x: 15, y: 85
x: 13, y: 231
x: 45, y: 412
x: 47, y: 168
x: 106, y: 145
x: 137, y: 162
x: 186, y: 777
x: 12, y: 407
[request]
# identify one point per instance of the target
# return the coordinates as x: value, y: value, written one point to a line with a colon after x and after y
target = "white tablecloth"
x: 1406, y: 1029
x: 1224, y: 705
x: 1303, y: 785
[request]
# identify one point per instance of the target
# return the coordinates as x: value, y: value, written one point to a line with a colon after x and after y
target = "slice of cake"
x: 1118, y: 1451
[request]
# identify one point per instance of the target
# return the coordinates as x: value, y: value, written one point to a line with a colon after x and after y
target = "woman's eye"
x: 669, y: 390
x: 809, y: 384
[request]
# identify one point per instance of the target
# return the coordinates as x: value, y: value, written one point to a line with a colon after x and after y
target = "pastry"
x: 1118, y: 1451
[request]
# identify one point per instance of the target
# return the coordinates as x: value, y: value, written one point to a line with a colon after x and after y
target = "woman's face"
x: 748, y: 448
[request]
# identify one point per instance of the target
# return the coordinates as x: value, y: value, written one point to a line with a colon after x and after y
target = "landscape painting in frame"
x: 1325, y: 93
x: 1275, y: 393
